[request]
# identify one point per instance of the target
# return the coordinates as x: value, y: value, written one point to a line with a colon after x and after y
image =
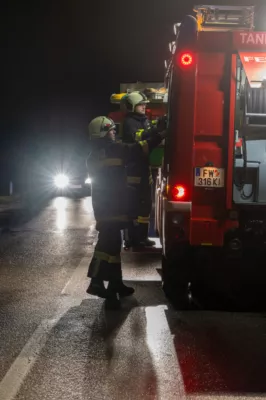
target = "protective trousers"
x: 106, y: 261
x: 137, y: 234
x: 145, y: 207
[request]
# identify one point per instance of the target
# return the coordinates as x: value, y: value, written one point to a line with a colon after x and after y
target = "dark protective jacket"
x: 112, y: 198
x: 137, y: 127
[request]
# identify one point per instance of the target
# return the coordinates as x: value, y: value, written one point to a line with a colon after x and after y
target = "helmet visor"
x: 108, y: 126
x: 144, y: 99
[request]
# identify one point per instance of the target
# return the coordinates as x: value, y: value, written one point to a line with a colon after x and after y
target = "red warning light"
x: 179, y: 192
x: 186, y: 59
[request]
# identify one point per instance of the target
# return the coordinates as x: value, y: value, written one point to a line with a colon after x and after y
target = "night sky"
x: 63, y: 59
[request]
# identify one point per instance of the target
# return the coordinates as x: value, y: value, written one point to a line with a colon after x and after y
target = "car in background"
x: 66, y: 185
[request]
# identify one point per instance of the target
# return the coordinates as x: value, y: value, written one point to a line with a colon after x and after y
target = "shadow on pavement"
x: 94, y: 354
x: 220, y: 353
x: 118, y: 357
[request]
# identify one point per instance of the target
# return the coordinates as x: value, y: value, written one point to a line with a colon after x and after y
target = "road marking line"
x: 165, y: 361
x: 73, y: 285
x: 71, y: 297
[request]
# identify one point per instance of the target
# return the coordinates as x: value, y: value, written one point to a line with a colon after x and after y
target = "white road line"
x: 162, y: 349
x: 75, y: 286
x: 72, y: 296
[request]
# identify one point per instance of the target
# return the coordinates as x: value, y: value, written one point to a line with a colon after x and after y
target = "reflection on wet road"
x: 56, y: 342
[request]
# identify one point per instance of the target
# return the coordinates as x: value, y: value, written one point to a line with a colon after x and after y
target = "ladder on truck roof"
x: 224, y: 18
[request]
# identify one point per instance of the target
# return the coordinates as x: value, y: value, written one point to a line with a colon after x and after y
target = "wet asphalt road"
x: 58, y: 343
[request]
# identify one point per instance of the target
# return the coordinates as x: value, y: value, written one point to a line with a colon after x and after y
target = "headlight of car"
x: 61, y: 181
x: 88, y: 181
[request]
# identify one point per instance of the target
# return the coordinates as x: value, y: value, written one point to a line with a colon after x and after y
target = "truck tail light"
x: 178, y: 192
x: 186, y: 59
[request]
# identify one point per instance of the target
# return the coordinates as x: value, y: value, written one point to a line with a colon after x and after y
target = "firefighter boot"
x: 120, y: 288
x: 124, y: 290
x: 143, y: 235
x: 97, y: 288
x: 130, y: 235
x: 149, y: 243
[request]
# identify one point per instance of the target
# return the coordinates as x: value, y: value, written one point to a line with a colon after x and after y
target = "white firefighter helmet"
x: 100, y: 126
x: 131, y: 100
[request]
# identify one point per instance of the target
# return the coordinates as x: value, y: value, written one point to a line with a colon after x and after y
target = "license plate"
x: 75, y: 186
x: 209, y: 177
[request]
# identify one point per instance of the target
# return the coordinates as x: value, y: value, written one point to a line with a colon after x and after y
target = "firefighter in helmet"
x: 137, y: 127
x: 107, y: 163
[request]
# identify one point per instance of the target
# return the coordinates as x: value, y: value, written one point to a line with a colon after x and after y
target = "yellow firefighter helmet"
x: 131, y: 100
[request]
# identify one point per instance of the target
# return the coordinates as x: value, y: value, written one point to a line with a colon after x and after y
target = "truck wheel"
x: 176, y: 283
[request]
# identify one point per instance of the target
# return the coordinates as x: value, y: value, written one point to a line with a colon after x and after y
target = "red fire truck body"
x: 211, y: 190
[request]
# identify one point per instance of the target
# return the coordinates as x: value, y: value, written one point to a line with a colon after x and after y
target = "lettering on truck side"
x: 257, y: 59
x: 253, y: 38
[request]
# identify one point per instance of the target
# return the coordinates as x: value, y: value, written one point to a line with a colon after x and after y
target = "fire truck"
x: 211, y: 188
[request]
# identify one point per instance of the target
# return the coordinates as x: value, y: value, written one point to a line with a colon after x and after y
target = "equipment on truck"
x: 157, y: 96
x: 211, y: 189
x: 156, y: 108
